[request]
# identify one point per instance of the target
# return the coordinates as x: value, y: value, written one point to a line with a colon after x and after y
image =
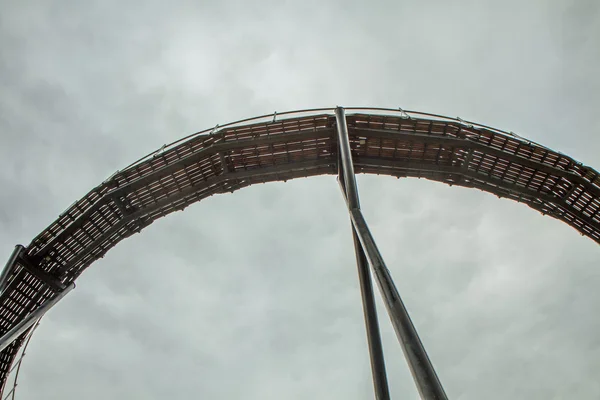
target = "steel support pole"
x: 28, y: 321
x: 9, y: 266
x: 427, y: 381
x: 348, y: 183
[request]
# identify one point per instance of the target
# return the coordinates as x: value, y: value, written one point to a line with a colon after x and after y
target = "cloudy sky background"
x: 255, y: 295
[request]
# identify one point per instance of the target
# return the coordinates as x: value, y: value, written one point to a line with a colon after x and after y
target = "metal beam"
x: 224, y: 167
x: 481, y: 147
x: 422, y: 370
x: 120, y: 205
x: 303, y: 135
x: 53, y: 283
x: 267, y: 174
x: 299, y: 136
x: 28, y: 321
x: 481, y: 176
x: 428, y: 383
x: 216, y: 181
x: 347, y: 171
x: 348, y: 183
x: 19, y: 249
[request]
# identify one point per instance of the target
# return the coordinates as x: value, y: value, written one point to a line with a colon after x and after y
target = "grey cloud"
x: 254, y: 294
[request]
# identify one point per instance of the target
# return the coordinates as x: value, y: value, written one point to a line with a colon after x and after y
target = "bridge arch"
x: 280, y: 147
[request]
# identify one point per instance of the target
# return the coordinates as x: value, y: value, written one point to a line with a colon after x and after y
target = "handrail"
x: 329, y: 110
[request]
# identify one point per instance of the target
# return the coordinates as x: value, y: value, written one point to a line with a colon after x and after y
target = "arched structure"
x: 280, y: 147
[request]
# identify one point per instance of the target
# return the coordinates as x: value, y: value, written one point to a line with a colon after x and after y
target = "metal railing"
x: 408, y: 114
x: 367, y: 252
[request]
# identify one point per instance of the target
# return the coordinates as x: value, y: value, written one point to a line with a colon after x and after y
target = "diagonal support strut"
x: 31, y: 319
x: 348, y: 183
x: 424, y: 375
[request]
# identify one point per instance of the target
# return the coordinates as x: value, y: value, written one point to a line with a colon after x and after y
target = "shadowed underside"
x: 389, y: 142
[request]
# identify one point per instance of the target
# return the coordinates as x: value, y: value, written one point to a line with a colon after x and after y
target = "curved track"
x: 286, y: 146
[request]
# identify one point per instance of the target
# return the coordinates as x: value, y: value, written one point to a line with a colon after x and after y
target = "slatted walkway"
x: 282, y: 147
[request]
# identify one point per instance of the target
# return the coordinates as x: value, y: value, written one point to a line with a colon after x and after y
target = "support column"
x: 348, y: 183
x: 427, y: 381
x: 9, y: 266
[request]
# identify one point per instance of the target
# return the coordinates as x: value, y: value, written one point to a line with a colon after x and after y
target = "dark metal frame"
x: 31, y: 319
x: 350, y: 190
x: 286, y: 146
x: 427, y: 381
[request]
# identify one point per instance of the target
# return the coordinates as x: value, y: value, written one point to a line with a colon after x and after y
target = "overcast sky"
x: 254, y: 295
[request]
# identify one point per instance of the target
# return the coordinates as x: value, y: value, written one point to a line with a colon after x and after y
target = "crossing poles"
x: 348, y: 183
x: 427, y: 381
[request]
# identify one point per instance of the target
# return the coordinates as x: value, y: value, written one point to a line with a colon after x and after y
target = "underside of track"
x: 278, y: 148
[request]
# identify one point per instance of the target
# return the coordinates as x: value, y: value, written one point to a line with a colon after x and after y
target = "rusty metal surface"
x: 227, y: 158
